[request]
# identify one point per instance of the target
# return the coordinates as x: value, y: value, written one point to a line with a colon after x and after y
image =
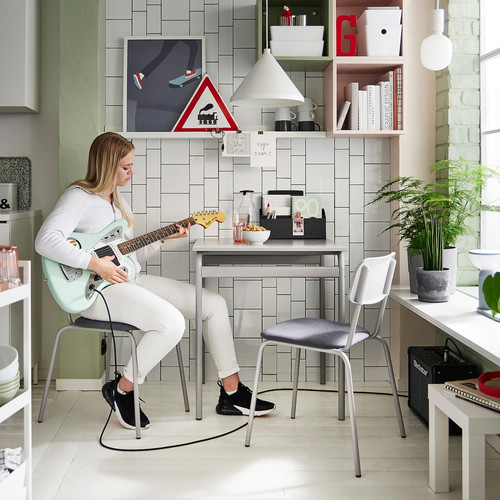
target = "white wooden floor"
x: 306, y: 458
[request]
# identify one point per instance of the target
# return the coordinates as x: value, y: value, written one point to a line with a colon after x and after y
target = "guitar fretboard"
x: 134, y: 244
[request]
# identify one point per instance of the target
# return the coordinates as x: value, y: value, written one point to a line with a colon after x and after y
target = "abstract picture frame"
x: 160, y: 75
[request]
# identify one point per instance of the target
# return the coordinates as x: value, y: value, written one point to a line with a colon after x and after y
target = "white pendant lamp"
x: 267, y: 85
x: 436, y: 49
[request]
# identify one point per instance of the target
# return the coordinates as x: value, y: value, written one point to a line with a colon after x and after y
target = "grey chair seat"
x: 103, y: 325
x: 314, y: 333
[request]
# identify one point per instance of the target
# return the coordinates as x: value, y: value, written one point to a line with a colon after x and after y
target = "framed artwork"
x: 160, y: 76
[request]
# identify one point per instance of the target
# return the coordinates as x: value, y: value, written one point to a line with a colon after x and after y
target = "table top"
x: 459, y: 318
x: 308, y: 246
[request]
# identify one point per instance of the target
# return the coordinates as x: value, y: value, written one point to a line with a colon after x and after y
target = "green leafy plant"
x: 432, y: 244
x: 491, y: 292
x: 453, y: 198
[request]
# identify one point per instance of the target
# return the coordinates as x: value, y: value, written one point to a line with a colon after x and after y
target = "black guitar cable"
x: 202, y: 440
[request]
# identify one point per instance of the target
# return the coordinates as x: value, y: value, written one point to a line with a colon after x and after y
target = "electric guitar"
x: 74, y: 289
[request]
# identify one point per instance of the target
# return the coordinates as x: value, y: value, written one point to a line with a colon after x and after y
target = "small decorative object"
x: 160, y: 77
x: 307, y: 206
x: 352, y: 20
x: 432, y: 278
x: 205, y: 111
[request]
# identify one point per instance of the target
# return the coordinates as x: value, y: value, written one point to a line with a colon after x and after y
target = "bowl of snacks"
x: 255, y: 235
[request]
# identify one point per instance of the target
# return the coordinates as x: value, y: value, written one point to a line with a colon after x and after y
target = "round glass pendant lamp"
x: 436, y: 50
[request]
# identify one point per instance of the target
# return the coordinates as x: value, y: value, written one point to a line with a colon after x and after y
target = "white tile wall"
x: 174, y: 177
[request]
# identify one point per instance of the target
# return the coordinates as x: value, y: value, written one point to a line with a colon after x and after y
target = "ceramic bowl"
x: 486, y: 259
x: 256, y: 237
x: 9, y: 362
x: 6, y: 396
x: 6, y: 386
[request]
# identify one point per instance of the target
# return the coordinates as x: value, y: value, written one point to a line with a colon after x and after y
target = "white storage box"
x: 380, y: 15
x: 379, y: 40
x: 297, y: 33
x: 12, y: 487
x: 308, y: 48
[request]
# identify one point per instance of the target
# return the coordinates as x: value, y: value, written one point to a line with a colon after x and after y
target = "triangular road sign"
x: 205, y: 111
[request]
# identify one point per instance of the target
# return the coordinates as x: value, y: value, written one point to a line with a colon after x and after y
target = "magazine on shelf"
x: 342, y: 114
x: 351, y: 95
x: 468, y: 389
x: 373, y: 110
x: 363, y: 110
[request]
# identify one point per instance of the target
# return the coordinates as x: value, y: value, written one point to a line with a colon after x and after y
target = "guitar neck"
x: 134, y: 244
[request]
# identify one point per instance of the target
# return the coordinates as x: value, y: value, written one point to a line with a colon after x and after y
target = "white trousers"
x: 158, y: 307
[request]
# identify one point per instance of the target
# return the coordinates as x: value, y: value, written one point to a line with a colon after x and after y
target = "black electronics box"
x: 282, y: 227
x: 433, y: 365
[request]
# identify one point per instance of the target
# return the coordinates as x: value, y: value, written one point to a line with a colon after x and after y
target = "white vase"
x: 450, y: 261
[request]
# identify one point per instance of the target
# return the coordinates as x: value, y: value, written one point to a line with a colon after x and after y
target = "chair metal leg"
x: 183, y: 376
x: 254, y: 393
x: 49, y: 374
x: 109, y: 348
x: 135, y: 370
x: 341, y: 389
x: 295, y: 382
x: 352, y: 410
x: 393, y: 385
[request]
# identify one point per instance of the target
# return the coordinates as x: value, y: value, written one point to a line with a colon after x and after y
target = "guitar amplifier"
x: 433, y: 365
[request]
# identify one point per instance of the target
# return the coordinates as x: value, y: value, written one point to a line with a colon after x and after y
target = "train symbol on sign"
x: 205, y: 118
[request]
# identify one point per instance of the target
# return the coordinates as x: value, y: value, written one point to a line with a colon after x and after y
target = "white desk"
x: 458, y: 318
x: 246, y: 261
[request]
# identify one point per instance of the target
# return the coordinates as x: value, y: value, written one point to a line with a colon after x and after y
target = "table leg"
x: 199, y: 336
x: 341, y: 318
x: 438, y: 450
x: 322, y: 309
x: 473, y: 466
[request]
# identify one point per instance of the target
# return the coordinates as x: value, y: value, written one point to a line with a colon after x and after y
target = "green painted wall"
x: 81, y: 119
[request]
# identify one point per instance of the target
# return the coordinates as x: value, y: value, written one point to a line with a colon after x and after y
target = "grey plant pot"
x: 450, y: 261
x: 432, y: 286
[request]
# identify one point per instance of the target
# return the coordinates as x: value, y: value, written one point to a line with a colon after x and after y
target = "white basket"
x: 308, y: 48
x: 380, y: 15
x: 297, y: 33
x: 12, y: 487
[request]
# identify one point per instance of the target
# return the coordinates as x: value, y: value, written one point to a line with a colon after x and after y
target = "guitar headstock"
x: 205, y: 219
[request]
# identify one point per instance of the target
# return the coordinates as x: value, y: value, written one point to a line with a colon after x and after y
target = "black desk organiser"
x: 282, y: 227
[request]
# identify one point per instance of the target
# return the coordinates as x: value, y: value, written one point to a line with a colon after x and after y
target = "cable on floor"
x: 217, y: 436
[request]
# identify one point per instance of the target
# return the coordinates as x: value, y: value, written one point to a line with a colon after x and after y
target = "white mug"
x: 305, y: 116
x: 308, y: 105
x: 284, y: 114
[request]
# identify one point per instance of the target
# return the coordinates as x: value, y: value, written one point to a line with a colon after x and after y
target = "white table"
x: 246, y: 261
x: 458, y: 318
x: 476, y: 422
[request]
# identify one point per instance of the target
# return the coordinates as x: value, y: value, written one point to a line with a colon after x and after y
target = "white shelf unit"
x: 22, y: 401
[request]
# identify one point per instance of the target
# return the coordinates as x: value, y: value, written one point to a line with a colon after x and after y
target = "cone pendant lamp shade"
x: 267, y: 86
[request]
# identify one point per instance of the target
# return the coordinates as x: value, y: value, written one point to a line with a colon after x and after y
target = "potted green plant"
x: 432, y: 278
x: 454, y: 198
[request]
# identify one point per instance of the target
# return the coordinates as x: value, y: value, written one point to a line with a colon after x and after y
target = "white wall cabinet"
x: 13, y: 487
x: 20, y: 56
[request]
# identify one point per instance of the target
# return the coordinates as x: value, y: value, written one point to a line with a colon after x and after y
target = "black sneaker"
x: 123, y: 406
x: 239, y: 402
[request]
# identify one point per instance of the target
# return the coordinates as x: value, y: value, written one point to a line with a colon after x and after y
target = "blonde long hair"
x: 104, y: 156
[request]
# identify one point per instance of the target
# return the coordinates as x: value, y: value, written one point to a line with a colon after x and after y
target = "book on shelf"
x: 342, y: 114
x: 373, y: 109
x: 468, y: 389
x: 351, y: 95
x: 386, y: 120
x: 363, y: 109
x: 398, y: 84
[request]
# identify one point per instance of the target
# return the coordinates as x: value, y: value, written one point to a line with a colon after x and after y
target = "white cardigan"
x: 81, y: 211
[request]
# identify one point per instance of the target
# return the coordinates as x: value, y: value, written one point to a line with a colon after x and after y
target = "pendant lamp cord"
x: 267, y: 24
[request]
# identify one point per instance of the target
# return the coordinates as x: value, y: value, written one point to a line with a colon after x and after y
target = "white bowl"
x: 9, y: 362
x: 256, y: 237
x: 6, y: 396
x: 486, y: 259
x: 10, y: 383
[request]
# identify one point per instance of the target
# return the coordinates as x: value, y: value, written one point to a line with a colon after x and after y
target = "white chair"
x: 81, y: 323
x: 371, y: 285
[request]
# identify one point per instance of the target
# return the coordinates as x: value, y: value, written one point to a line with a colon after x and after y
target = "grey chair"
x: 81, y: 323
x: 371, y: 285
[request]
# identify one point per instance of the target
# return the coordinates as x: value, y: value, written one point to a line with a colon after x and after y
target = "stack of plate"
x: 9, y: 373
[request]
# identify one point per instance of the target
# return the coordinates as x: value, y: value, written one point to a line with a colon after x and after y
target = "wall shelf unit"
x: 22, y: 401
